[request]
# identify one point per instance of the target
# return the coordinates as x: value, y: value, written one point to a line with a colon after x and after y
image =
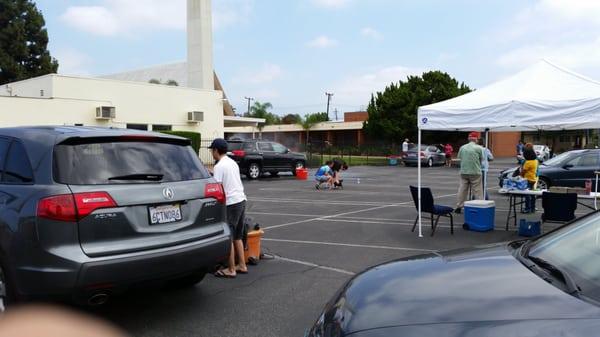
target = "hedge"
x: 194, y: 137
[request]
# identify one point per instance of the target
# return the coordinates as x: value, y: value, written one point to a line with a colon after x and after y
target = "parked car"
x: 86, y: 213
x: 256, y: 157
x: 548, y: 286
x: 542, y: 152
x: 430, y: 155
x: 569, y: 169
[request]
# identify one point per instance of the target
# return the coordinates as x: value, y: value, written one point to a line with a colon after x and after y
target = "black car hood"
x: 475, y: 285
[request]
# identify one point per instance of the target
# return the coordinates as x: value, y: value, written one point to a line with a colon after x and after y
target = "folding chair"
x: 428, y: 206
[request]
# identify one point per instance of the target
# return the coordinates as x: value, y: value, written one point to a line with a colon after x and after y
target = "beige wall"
x: 75, y: 100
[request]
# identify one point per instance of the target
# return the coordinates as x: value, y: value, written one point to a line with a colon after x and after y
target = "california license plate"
x: 164, y: 214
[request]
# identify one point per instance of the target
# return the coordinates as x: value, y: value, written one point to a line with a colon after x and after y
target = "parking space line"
x: 351, y: 245
x: 310, y: 264
x: 327, y: 217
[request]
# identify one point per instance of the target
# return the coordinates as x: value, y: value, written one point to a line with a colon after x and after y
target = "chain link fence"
x: 373, y: 154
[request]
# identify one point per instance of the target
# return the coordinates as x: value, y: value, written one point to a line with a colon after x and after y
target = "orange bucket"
x: 253, y: 245
x: 301, y: 174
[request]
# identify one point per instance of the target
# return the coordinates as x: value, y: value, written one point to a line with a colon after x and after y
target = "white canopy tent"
x: 543, y: 96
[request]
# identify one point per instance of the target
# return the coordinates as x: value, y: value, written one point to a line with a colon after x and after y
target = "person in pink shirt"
x: 448, y: 150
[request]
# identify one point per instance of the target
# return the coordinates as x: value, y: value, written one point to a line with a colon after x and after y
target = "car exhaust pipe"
x: 98, y: 299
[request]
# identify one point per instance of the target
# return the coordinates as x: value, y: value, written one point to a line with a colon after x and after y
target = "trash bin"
x: 480, y: 215
x: 393, y: 160
x: 253, y: 245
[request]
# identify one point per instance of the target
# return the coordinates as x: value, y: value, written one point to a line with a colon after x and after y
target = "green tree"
x: 291, y: 119
x: 23, y: 42
x: 168, y: 82
x: 309, y: 121
x: 261, y: 110
x: 154, y: 81
x: 393, y: 112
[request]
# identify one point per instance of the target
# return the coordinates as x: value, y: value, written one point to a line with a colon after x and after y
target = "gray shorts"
x: 236, y: 214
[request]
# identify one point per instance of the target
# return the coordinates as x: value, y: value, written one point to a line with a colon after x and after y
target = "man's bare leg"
x: 239, y: 250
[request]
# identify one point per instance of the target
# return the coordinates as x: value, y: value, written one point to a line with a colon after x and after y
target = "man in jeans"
x: 470, y: 155
x: 227, y: 172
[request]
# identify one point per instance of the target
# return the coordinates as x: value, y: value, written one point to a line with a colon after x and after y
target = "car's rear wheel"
x: 543, y: 184
x: 253, y: 171
x: 430, y: 162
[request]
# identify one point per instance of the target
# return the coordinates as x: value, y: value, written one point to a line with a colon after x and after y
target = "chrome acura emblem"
x: 168, y: 193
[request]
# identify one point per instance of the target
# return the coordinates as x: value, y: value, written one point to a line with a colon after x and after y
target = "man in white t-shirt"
x: 405, y: 146
x: 227, y: 172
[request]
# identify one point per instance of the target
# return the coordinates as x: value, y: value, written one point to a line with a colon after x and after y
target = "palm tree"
x: 307, y: 122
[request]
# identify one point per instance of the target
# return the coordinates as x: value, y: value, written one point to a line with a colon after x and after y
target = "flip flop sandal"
x: 221, y: 274
x: 241, y: 271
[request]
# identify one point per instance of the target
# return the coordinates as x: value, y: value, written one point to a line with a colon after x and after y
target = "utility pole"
x: 335, y: 111
x: 328, y: 94
x: 249, y: 99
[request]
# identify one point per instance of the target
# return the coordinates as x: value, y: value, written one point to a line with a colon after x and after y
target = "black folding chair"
x: 558, y: 207
x: 429, y: 206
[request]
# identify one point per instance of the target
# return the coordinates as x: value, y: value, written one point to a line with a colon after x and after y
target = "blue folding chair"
x: 429, y: 206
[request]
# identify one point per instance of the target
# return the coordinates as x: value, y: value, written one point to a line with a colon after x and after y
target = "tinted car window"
x: 279, y: 148
x: 95, y: 163
x: 3, y: 149
x: 588, y: 159
x: 17, y: 169
x: 232, y: 146
x: 249, y: 147
x: 265, y: 147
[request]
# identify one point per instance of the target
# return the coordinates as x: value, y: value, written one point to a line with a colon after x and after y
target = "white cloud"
x: 266, y: 74
x: 564, y: 31
x: 357, y: 89
x: 322, y: 42
x: 330, y: 3
x: 371, y: 33
x: 73, y: 62
x: 114, y: 17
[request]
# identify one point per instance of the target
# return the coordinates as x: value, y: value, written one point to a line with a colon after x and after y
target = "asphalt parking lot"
x: 320, y: 239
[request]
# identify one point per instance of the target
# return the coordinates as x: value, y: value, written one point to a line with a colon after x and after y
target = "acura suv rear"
x: 89, y: 212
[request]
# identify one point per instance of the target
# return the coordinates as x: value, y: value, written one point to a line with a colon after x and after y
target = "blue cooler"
x: 480, y: 215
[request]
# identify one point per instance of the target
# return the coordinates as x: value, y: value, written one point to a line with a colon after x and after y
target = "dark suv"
x: 88, y: 212
x: 258, y: 156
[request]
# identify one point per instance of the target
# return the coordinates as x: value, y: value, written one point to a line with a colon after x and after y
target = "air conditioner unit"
x: 195, y: 116
x: 105, y: 112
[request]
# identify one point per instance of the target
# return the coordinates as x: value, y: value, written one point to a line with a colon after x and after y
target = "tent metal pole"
x: 419, y: 180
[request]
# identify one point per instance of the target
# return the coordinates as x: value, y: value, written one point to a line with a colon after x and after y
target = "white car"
x: 542, y: 152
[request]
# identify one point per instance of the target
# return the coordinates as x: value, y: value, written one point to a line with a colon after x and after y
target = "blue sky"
x: 290, y: 52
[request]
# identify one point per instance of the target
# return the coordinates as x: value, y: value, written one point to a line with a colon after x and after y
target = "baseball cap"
x: 219, y: 144
x: 474, y: 134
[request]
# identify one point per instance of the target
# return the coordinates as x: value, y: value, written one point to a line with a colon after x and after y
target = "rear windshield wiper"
x: 139, y: 176
x: 571, y: 287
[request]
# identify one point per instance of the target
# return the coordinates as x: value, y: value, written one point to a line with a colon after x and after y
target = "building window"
x: 564, y: 139
x: 138, y: 126
x: 159, y: 127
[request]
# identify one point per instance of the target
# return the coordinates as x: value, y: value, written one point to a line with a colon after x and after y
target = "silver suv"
x: 86, y: 213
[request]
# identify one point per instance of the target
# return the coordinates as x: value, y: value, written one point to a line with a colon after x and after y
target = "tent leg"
x: 419, y: 181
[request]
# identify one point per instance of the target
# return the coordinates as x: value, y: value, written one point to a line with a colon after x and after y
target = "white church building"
x: 127, y: 100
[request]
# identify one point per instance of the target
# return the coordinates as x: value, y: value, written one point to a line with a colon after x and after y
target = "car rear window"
x: 96, y: 162
x: 232, y: 146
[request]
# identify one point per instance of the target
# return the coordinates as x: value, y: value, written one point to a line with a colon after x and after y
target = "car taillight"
x: 215, y: 191
x: 88, y: 202
x: 239, y: 153
x: 422, y: 154
x: 58, y: 207
x: 73, y: 207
